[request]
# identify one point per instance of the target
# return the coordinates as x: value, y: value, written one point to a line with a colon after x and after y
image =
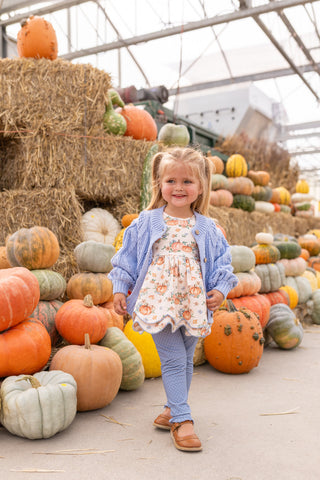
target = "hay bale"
x: 263, y: 155
x: 103, y: 168
x: 55, y: 96
x: 58, y: 210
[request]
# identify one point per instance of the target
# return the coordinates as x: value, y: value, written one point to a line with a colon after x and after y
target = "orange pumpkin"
x: 235, y: 344
x: 113, y: 319
x: 278, y: 296
x: 305, y: 254
x: 258, y: 304
x: 266, y: 253
x: 96, y: 369
x: 77, y: 317
x: 34, y: 248
x: 310, y: 243
x: 24, y: 348
x: 127, y: 219
x: 140, y: 124
x: 37, y: 39
x: 19, y: 295
x: 97, y: 285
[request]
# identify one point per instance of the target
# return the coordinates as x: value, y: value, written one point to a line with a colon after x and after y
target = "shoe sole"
x: 185, y: 449
x: 163, y: 427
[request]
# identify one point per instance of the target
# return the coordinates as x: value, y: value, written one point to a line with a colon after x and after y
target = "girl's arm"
x: 124, y: 272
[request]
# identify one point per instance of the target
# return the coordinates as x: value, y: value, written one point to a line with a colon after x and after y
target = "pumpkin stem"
x: 87, y: 301
x: 231, y: 306
x: 33, y: 380
x: 87, y: 343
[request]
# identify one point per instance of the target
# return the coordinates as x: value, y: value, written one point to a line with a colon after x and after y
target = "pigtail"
x: 156, y: 200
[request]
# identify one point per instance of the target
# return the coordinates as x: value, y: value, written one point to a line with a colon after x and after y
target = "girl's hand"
x: 215, y: 299
x: 120, y: 303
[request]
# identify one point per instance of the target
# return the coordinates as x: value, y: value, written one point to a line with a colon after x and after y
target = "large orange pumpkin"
x: 258, y: 304
x: 33, y: 248
x: 235, y: 344
x: 77, y: 317
x: 140, y: 124
x: 19, y: 295
x: 25, y: 348
x: 37, y: 39
x: 96, y: 369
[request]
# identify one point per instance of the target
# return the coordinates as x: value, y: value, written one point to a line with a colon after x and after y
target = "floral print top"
x: 173, y: 291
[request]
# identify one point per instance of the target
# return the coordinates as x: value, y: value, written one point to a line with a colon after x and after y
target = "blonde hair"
x: 201, y: 168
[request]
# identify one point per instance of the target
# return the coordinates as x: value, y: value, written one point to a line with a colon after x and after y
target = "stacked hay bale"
x: 54, y: 154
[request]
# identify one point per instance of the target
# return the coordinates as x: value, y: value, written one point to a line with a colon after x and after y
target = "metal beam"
x: 301, y: 126
x: 43, y: 11
x: 11, y: 5
x: 188, y: 27
x: 304, y: 152
x: 253, y: 77
x: 284, y: 54
x: 288, y: 137
x: 298, y: 40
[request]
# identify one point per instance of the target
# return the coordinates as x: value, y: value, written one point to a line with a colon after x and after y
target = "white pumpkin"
x: 302, y: 287
x: 264, y: 238
x: 293, y: 266
x: 243, y: 258
x: 39, y: 405
x: 263, y: 207
x: 100, y: 225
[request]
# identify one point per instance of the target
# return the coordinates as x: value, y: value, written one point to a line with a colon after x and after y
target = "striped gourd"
x: 236, y: 166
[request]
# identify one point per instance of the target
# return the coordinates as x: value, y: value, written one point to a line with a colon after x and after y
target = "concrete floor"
x: 239, y: 443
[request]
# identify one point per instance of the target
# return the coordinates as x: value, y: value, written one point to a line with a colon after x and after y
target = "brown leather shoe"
x: 187, y: 443
x: 162, y: 421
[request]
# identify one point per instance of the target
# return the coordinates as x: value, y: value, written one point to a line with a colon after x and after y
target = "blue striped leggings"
x: 176, y: 350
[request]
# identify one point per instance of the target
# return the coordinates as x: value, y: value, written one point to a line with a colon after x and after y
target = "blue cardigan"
x: 131, y: 262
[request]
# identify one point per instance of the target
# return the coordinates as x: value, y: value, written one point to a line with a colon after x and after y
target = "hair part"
x: 201, y: 167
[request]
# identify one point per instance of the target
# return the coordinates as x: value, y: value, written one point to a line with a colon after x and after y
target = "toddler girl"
x: 177, y: 265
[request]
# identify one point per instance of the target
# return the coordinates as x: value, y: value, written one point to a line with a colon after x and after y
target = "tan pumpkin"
x: 249, y: 284
x: 240, y: 186
x: 97, y: 285
x: 4, y: 262
x: 96, y: 369
x: 260, y: 177
x: 221, y: 198
x: 217, y: 162
x: 33, y: 248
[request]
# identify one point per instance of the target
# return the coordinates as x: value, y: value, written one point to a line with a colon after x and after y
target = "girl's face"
x: 179, y: 187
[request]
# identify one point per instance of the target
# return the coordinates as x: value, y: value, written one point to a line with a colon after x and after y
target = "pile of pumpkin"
x: 89, y: 352
x: 233, y: 185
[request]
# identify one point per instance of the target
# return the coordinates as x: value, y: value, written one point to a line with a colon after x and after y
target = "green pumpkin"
x: 283, y: 327
x: 172, y: 134
x: 38, y: 406
x: 288, y: 249
x: 52, y: 284
x: 271, y: 275
x: 261, y: 193
x: 145, y: 195
x: 245, y: 202
x: 46, y: 312
x: 302, y: 287
x: 314, y: 304
x: 113, y: 122
x: 219, y: 181
x: 94, y: 256
x: 132, y: 367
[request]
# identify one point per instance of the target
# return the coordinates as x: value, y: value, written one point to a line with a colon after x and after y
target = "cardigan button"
x: 197, y: 232
x: 205, y: 259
